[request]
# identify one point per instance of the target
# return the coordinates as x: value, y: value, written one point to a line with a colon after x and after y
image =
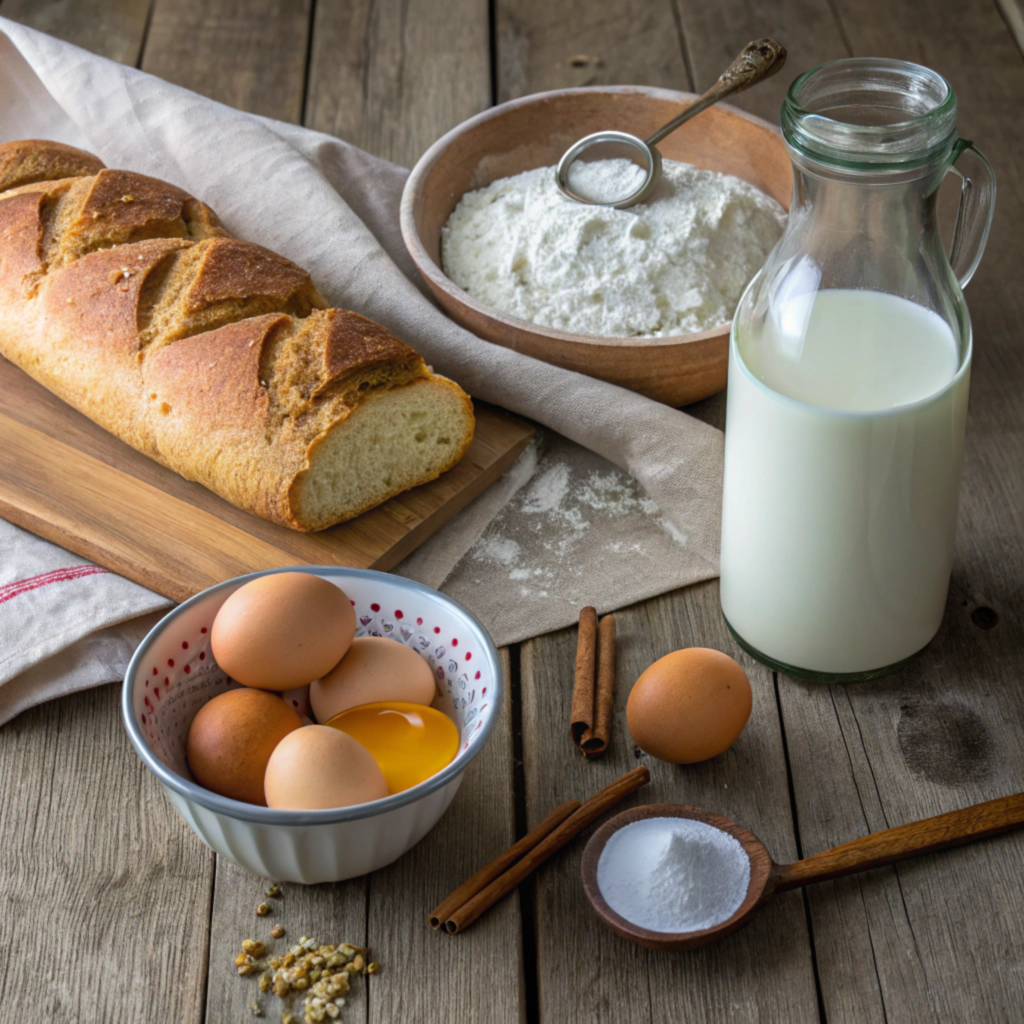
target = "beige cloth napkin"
x: 334, y: 210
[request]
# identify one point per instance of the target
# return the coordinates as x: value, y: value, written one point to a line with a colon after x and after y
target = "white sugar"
x: 673, y: 874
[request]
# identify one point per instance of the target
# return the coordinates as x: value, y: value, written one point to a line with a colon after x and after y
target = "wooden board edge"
x: 427, y: 527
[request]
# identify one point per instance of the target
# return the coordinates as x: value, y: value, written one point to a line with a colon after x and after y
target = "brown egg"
x: 231, y: 739
x: 375, y: 669
x: 283, y: 630
x: 318, y: 767
x: 689, y: 706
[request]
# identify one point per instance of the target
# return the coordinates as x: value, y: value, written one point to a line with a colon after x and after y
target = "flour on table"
x: 580, y: 532
x: 675, y: 264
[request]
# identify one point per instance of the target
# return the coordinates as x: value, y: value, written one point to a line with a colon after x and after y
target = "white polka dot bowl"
x: 173, y: 674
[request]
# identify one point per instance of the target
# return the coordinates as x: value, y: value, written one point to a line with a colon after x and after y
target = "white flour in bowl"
x: 675, y: 264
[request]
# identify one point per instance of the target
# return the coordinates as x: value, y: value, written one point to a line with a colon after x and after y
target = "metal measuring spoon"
x: 768, y: 878
x: 758, y: 61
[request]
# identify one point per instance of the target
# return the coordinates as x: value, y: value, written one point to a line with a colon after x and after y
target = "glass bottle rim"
x: 906, y: 115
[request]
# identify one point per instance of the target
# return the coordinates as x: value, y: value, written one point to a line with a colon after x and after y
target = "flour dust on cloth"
x: 334, y: 210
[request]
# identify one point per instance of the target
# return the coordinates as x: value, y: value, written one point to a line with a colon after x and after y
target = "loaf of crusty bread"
x: 126, y: 297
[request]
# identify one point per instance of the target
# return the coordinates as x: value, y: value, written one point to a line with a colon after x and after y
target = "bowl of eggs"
x: 312, y: 724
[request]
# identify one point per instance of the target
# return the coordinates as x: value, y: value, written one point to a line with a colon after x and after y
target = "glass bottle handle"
x: 974, y: 215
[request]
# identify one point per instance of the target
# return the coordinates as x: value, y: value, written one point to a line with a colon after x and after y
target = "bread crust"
x: 30, y: 160
x: 126, y: 297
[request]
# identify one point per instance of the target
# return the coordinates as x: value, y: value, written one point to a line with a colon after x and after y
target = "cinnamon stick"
x: 459, y: 920
x: 595, y: 741
x: 586, y: 662
x: 487, y: 874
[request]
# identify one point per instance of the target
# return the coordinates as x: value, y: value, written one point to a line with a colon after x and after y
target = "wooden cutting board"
x: 68, y: 480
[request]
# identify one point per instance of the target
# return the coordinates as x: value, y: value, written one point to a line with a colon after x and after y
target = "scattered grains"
x: 321, y: 973
x: 278, y: 931
x: 274, y: 890
x: 263, y: 909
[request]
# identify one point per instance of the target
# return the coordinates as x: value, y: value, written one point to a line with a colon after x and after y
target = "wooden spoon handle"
x: 944, y: 830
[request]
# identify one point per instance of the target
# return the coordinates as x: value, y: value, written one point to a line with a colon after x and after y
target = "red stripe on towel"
x: 12, y: 590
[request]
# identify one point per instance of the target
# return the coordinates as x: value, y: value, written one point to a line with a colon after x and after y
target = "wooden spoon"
x: 767, y: 878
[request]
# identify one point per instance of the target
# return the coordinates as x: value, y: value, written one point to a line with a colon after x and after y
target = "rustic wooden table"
x: 112, y: 910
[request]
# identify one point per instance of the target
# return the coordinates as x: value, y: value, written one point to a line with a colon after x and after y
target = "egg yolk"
x: 410, y: 742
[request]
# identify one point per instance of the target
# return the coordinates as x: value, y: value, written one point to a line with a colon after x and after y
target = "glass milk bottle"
x: 849, y: 366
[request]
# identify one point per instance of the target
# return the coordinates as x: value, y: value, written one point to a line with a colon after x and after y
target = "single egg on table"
x: 281, y: 631
x: 689, y: 706
x: 231, y: 739
x: 410, y: 742
x: 316, y: 768
x: 374, y: 669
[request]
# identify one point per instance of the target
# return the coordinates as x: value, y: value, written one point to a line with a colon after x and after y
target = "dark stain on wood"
x: 945, y: 742
x: 985, y: 618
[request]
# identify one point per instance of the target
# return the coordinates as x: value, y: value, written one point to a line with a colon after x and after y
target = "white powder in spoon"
x: 605, y: 181
x: 673, y: 874
x: 675, y: 264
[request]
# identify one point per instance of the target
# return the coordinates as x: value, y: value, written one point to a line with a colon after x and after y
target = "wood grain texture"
x: 594, y: 807
x: 332, y: 914
x: 121, y: 509
x: 586, y: 973
x: 390, y: 76
x: 105, y: 891
x: 479, y: 880
x: 249, y: 54
x: 931, y: 940
x: 543, y: 45
x: 902, y: 842
x: 431, y: 976
x: 937, y: 939
x: 424, y: 975
x: 112, y: 28
x: 714, y: 33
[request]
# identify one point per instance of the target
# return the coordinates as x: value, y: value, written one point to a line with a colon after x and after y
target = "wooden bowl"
x: 534, y: 132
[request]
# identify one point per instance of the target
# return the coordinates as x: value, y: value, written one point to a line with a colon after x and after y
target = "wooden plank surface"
x: 391, y: 76
x: 543, y: 45
x: 333, y: 914
x: 714, y: 33
x: 938, y: 939
x: 424, y: 976
x: 252, y: 55
x: 132, y: 515
x: 580, y: 970
x: 934, y: 939
x: 105, y: 894
x: 586, y: 973
x: 112, y: 28
x: 431, y: 976
x: 249, y: 54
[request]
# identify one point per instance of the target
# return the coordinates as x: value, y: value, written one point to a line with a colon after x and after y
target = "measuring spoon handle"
x: 758, y: 61
x: 944, y: 830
